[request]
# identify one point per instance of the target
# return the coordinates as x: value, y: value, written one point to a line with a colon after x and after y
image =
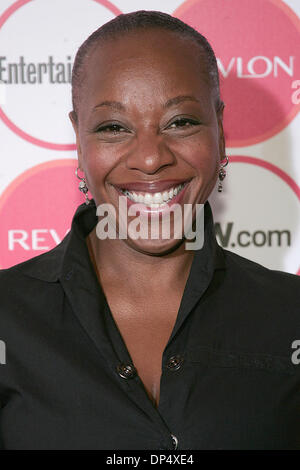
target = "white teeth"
x: 134, y: 197
x: 148, y: 199
x: 157, y: 198
x: 154, y: 200
x: 165, y: 196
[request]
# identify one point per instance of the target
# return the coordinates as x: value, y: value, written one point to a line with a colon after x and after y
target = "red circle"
x: 256, y: 42
x: 24, y: 135
x: 40, y: 198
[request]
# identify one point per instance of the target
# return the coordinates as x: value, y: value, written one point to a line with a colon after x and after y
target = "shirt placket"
x: 132, y: 384
x: 173, y: 363
x: 89, y: 304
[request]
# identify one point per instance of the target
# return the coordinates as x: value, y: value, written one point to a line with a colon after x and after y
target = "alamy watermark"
x: 2, y: 352
x: 295, y: 358
x: 296, y: 94
x: 165, y: 222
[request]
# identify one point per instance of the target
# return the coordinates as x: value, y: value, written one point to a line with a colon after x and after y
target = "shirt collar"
x: 72, y: 252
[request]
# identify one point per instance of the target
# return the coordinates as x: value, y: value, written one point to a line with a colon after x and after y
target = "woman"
x: 127, y: 343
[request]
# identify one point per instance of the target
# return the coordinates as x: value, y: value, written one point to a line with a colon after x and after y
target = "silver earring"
x: 83, y: 186
x: 222, y: 174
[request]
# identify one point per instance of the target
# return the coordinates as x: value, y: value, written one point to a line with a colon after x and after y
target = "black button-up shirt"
x: 228, y: 380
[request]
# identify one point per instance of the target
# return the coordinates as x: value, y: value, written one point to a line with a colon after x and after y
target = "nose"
x: 150, y: 154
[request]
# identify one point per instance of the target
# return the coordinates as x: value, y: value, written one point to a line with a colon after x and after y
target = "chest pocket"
x: 241, y: 360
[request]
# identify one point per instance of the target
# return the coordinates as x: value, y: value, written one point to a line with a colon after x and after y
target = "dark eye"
x: 183, y: 123
x: 111, y: 128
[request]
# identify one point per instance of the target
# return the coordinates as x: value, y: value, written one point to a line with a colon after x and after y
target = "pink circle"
x: 270, y: 167
x: 42, y: 199
x: 257, y: 43
x: 24, y: 135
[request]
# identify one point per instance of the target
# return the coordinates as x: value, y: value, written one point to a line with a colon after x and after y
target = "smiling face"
x: 147, y: 124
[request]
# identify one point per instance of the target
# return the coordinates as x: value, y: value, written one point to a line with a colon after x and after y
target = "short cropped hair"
x: 130, y: 22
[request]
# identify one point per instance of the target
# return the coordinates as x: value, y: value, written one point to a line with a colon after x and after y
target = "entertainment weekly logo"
x: 26, y: 72
x: 257, y: 48
x: 35, y: 74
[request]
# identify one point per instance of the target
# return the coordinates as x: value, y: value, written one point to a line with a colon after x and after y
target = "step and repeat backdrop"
x: 257, y: 44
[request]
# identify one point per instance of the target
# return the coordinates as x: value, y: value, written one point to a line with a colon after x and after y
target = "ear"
x: 74, y: 121
x: 222, y: 147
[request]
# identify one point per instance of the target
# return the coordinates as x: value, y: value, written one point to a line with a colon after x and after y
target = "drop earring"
x: 222, y: 174
x: 83, y: 186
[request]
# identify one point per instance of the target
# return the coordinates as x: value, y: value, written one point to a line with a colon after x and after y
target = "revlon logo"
x: 261, y: 42
x: 36, y: 210
x: 257, y: 67
x: 35, y: 239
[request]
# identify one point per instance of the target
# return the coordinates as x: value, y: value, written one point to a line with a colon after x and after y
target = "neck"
x: 115, y: 261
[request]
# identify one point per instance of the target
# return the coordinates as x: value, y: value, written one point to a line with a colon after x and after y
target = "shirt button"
x: 175, y: 362
x: 126, y: 371
x: 69, y: 275
x: 174, y: 441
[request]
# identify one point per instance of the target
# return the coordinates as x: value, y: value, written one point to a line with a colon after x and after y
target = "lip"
x: 151, y: 186
x: 143, y: 209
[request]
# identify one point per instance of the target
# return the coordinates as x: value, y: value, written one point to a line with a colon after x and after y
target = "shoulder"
x: 260, y: 307
x: 32, y: 285
x: 258, y: 276
x: 31, y: 298
x: 266, y: 293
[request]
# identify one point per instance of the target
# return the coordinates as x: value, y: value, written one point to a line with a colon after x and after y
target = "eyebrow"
x: 113, y: 104
x: 171, y: 102
x: 179, y: 99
